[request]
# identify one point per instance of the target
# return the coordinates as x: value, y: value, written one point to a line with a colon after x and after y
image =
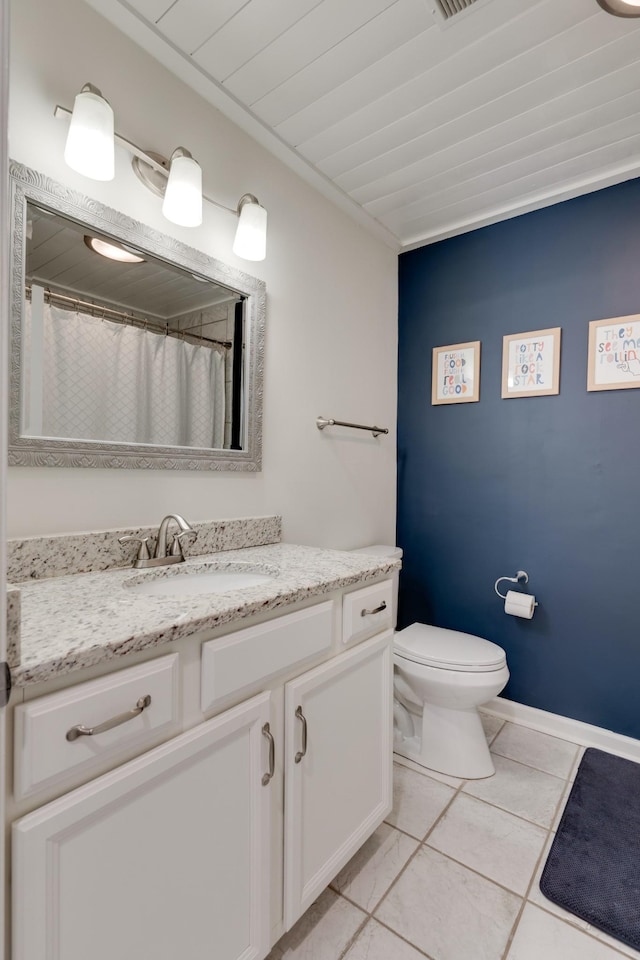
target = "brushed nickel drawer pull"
x: 368, y: 613
x: 266, y: 777
x: 301, y: 753
x: 81, y: 731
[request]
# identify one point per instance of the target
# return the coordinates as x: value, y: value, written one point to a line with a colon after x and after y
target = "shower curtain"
x: 109, y: 382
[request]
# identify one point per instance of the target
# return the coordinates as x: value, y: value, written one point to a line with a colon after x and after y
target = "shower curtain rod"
x: 119, y: 316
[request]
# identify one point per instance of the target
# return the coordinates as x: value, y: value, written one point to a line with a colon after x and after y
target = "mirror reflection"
x: 119, y: 347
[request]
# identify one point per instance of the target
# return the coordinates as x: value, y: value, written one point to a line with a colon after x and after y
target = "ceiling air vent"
x: 445, y: 10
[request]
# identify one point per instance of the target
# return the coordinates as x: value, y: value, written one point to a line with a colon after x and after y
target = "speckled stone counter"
x: 72, y: 622
x: 57, y: 556
x: 13, y: 626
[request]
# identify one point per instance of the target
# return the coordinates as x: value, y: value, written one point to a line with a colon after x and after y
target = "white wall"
x: 331, y: 310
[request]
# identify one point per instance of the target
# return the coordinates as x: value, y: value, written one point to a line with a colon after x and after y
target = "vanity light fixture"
x: 112, y: 251
x: 182, y: 202
x: 90, y: 147
x: 251, y: 236
x: 621, y: 8
x: 177, y: 180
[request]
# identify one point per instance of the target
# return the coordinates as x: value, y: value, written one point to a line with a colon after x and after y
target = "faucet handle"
x: 176, y: 546
x: 143, y: 549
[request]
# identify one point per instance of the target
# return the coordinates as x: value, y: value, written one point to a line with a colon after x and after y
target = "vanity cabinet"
x: 338, y: 767
x: 165, y: 857
x: 214, y: 843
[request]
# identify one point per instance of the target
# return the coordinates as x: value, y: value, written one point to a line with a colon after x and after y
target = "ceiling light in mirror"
x: 112, y: 251
x: 90, y: 147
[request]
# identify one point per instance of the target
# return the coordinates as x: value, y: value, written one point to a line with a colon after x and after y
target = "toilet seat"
x: 448, y: 649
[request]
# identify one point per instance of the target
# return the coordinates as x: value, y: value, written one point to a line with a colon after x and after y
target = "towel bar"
x: 323, y: 422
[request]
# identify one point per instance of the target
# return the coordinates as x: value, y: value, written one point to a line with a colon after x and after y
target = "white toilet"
x: 441, y: 677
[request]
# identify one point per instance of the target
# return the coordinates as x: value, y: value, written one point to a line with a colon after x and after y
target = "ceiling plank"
x: 257, y: 25
x: 515, y: 38
x: 151, y: 10
x: 327, y: 24
x: 542, y: 164
x: 396, y: 72
x: 189, y: 23
x: 362, y: 49
x: 518, y: 194
x: 481, y: 105
x: 550, y: 122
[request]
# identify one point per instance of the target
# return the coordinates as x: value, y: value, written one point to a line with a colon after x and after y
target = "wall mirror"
x: 128, y: 348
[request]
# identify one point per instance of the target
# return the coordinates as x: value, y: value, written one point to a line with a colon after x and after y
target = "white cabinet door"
x: 166, y: 857
x: 340, y: 789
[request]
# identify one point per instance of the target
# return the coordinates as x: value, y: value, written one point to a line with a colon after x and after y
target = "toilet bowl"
x: 441, y: 677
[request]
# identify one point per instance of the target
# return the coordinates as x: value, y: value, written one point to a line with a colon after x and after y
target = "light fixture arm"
x: 156, y: 162
x: 246, y: 198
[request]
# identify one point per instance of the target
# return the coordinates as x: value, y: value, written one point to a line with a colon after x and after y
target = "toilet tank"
x: 385, y: 550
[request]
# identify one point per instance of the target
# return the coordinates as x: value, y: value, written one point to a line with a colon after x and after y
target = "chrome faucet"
x: 164, y: 553
x: 173, y: 553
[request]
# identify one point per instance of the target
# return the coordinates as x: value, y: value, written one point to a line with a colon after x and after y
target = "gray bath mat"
x: 593, y: 867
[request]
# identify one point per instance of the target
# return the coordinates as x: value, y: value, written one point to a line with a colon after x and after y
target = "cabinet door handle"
x: 301, y: 753
x: 367, y: 613
x: 81, y: 731
x: 266, y: 777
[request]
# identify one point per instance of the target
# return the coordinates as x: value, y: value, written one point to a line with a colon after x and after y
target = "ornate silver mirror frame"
x: 29, y: 185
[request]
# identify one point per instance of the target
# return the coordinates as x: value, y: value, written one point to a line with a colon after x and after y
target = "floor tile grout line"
x: 542, y: 733
x: 534, y: 729
x: 587, y: 933
x: 521, y: 763
x: 525, y: 899
x: 355, y: 936
x: 496, y: 806
x: 496, y: 753
x: 543, y: 852
x: 459, y: 790
x: 402, y: 937
x: 499, y: 730
x: 478, y: 873
x: 370, y: 918
x: 416, y: 851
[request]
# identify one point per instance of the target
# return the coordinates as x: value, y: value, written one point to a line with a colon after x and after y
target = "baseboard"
x: 564, y: 727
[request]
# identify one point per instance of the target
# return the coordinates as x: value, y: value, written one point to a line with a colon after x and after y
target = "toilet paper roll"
x: 519, y: 604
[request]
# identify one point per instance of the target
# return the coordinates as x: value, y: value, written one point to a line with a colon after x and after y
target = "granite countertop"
x: 72, y: 622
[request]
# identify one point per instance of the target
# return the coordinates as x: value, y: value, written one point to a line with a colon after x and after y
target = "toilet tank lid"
x: 449, y: 649
x: 380, y: 550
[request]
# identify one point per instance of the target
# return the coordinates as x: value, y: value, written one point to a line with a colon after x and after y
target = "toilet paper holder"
x: 521, y: 577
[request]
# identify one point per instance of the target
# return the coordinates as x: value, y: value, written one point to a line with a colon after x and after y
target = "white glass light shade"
x: 621, y: 8
x: 90, y: 147
x: 251, y: 236
x: 182, y: 202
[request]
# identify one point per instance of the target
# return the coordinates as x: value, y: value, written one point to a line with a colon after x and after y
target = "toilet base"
x: 452, y: 742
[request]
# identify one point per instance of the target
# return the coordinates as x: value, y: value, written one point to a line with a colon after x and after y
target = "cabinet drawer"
x: 44, y: 755
x: 238, y: 662
x: 367, y: 611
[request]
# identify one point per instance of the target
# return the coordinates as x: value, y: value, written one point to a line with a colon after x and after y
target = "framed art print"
x: 455, y: 375
x: 531, y: 363
x: 614, y: 354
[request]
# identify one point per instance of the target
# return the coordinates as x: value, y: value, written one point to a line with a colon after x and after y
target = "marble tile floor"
x: 453, y: 873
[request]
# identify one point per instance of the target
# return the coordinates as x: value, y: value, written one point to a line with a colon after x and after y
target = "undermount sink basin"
x: 197, y: 582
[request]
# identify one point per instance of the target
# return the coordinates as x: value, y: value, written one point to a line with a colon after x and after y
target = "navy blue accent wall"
x: 550, y: 485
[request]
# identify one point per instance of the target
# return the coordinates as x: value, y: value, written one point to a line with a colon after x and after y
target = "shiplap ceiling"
x: 422, y: 129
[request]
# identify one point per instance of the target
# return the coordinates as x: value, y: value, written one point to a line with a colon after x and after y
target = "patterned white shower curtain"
x: 114, y: 382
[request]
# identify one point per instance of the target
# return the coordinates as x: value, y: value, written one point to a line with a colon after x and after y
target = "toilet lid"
x: 448, y: 649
